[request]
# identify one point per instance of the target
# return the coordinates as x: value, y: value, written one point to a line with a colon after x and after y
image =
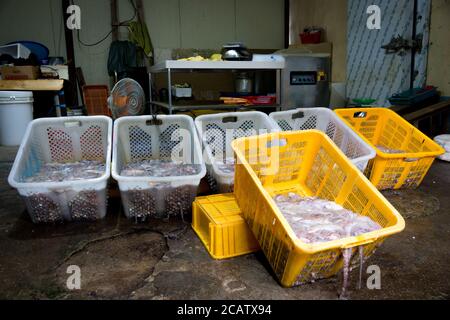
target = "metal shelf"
x: 166, y: 105
x: 171, y: 65
x: 224, y: 65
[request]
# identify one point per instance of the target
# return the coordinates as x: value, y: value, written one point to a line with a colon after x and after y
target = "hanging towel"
x: 139, y: 35
x: 122, y: 57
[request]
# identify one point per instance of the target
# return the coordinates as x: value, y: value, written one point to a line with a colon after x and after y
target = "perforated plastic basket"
x: 310, y: 164
x: 139, y: 138
x: 325, y: 120
x: 381, y: 127
x: 96, y: 100
x: 62, y: 140
x: 216, y: 131
x: 218, y: 222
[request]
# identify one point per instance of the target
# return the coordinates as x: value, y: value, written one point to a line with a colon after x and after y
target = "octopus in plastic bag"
x: 389, y: 150
x: 58, y: 172
x: 159, y: 168
x: 225, y: 165
x: 317, y: 220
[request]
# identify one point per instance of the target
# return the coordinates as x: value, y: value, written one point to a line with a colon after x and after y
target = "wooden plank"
x: 428, y: 111
x: 32, y: 85
x: 71, y: 97
x: 114, y: 20
x: 81, y: 82
x: 140, y: 10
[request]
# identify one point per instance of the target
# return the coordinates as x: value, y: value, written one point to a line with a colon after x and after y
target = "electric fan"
x: 126, y: 99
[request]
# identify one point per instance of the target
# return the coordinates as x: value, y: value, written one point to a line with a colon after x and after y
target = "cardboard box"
x: 20, y: 72
x: 58, y: 71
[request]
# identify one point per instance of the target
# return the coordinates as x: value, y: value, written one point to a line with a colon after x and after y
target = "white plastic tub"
x: 323, y: 119
x: 140, y: 138
x: 63, y: 140
x: 444, y: 141
x: 217, y: 131
x: 16, y: 112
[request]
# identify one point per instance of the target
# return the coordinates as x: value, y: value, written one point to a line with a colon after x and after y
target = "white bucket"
x: 16, y: 112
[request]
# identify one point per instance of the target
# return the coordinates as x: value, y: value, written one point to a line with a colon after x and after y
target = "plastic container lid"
x: 16, y: 50
x: 37, y: 48
x: 11, y: 97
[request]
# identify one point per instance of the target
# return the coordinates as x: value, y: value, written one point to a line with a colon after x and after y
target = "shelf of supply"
x: 225, y: 65
x: 170, y: 66
x: 166, y: 105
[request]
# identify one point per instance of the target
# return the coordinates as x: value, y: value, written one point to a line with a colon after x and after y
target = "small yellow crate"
x: 310, y: 164
x: 218, y: 223
x: 383, y: 127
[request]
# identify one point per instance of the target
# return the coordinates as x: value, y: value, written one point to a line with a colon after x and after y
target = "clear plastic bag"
x: 317, y: 220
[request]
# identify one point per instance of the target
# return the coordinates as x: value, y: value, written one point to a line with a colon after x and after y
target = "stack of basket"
x: 74, y: 139
x: 343, y: 157
x: 318, y: 155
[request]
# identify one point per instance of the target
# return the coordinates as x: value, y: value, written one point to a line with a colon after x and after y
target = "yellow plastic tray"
x: 381, y: 126
x: 310, y: 164
x: 218, y: 223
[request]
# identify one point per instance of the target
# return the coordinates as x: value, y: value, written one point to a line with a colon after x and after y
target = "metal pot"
x: 243, y: 83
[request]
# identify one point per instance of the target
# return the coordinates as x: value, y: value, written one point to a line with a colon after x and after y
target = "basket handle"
x: 298, y: 115
x: 59, y: 189
x: 70, y: 124
x: 153, y: 122
x: 229, y: 119
x: 276, y: 143
x: 360, y: 114
x: 358, y: 243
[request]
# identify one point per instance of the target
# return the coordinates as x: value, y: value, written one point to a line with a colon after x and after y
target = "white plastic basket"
x: 141, y: 138
x: 216, y: 131
x: 62, y: 140
x: 358, y: 151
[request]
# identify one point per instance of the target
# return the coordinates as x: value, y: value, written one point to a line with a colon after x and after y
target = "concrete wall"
x: 203, y: 24
x: 330, y: 15
x: 439, y: 53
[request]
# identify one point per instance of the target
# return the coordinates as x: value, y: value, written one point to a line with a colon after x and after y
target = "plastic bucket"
x: 16, y: 112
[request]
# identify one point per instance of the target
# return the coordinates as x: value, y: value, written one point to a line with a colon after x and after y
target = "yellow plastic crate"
x: 310, y: 164
x: 218, y: 223
x: 383, y: 127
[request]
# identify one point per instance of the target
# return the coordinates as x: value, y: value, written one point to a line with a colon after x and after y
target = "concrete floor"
x: 159, y: 260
